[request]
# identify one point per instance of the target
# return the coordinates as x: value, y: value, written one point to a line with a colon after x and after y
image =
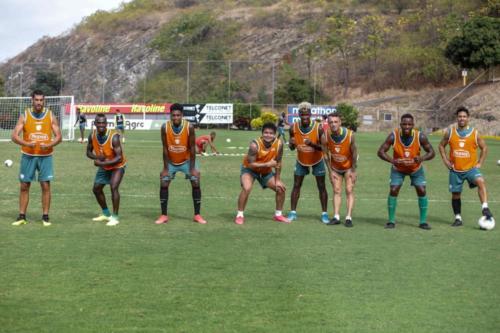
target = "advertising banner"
x: 209, y: 113
x: 317, y: 111
x: 137, y: 108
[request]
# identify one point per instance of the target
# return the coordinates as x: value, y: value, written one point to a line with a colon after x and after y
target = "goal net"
x: 62, y: 107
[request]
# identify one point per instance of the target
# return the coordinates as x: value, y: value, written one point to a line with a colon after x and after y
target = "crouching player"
x: 264, y: 154
x: 104, y: 147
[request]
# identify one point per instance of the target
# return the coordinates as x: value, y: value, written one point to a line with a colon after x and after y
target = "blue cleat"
x: 292, y: 216
x: 324, y: 218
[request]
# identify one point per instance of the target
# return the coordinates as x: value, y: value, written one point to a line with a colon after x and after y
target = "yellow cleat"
x: 101, y: 218
x: 19, y: 222
x: 46, y: 223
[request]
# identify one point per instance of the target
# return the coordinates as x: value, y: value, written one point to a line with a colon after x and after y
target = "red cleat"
x: 281, y: 218
x: 239, y: 220
x: 199, y: 219
x: 162, y: 219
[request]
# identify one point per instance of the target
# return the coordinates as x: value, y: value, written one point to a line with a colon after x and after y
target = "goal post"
x: 62, y: 107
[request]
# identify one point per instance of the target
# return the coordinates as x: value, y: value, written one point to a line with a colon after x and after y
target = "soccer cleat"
x: 281, y: 218
x: 101, y: 218
x: 162, y: 219
x: 292, y: 216
x: 457, y: 223
x: 198, y: 219
x: 112, y: 221
x: 239, y: 220
x: 19, y: 222
x: 334, y: 221
x: 390, y: 225
x: 46, y: 223
x: 324, y: 218
x: 424, y: 226
x: 487, y: 213
x: 348, y: 223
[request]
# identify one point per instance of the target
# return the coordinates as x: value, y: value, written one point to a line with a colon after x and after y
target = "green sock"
x: 106, y: 212
x: 391, y: 207
x: 423, y: 204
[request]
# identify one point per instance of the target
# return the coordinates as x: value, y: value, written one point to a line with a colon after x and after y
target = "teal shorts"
x: 318, y: 169
x: 281, y: 131
x: 104, y: 176
x: 263, y: 179
x: 184, y: 168
x: 417, y: 178
x: 120, y: 127
x: 31, y: 164
x: 456, y: 179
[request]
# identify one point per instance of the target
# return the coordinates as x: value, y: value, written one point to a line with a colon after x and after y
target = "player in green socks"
x: 406, y: 143
x: 104, y: 147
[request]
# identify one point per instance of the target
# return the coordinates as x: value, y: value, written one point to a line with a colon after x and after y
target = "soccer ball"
x: 8, y: 163
x: 486, y: 224
x: 228, y: 140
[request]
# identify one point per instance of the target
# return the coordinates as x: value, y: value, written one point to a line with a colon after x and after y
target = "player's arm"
x: 424, y: 141
x: 166, y: 160
x: 291, y: 141
x: 90, y: 149
x: 384, y: 148
x: 192, y: 147
x: 315, y: 145
x: 212, y: 146
x: 354, y: 152
x: 277, y: 167
x: 326, y: 152
x: 57, y: 134
x: 16, y: 137
x: 484, y: 151
x: 442, y: 149
x: 76, y: 122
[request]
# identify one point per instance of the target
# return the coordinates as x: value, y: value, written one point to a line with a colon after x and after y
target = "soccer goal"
x: 63, y: 108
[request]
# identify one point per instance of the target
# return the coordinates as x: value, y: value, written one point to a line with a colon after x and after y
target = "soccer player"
x: 463, y: 163
x: 340, y: 153
x: 281, y: 126
x: 206, y: 140
x: 120, y: 124
x: 305, y: 136
x: 406, y: 144
x: 40, y: 134
x: 104, y: 147
x: 179, y: 154
x: 264, y: 155
x: 81, y: 120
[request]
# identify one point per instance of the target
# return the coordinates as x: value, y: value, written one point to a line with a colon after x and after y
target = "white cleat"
x: 112, y: 222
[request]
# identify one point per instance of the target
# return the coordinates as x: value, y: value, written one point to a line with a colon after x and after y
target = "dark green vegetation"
x: 81, y: 276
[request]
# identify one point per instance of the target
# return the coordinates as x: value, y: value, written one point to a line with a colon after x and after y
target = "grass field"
x: 81, y: 276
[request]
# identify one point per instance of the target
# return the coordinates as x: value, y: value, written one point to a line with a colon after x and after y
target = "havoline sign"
x: 208, y: 113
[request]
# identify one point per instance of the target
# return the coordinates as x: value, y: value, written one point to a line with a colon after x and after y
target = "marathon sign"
x: 317, y: 111
x: 137, y: 108
x: 208, y: 113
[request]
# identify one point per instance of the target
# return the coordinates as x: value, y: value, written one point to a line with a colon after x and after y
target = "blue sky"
x: 23, y: 22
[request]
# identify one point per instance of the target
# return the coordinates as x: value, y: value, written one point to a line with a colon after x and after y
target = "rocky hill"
x: 240, y: 50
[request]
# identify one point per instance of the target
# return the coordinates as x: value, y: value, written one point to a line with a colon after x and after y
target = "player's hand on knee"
x: 164, y: 173
x: 280, y: 186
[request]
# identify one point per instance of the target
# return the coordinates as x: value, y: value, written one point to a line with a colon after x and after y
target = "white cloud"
x: 23, y: 22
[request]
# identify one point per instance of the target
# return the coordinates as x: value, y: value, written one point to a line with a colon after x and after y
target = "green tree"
x: 349, y: 115
x: 49, y: 82
x: 479, y: 44
x: 340, y: 38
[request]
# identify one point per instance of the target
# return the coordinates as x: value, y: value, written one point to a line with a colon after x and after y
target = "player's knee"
x: 97, y: 189
x: 349, y: 190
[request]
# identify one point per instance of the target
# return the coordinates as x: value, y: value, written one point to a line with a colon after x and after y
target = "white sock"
x: 458, y: 217
x: 325, y: 213
x: 337, y: 216
x: 239, y: 214
x: 278, y: 213
x: 293, y: 212
x: 348, y: 217
x: 485, y: 205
